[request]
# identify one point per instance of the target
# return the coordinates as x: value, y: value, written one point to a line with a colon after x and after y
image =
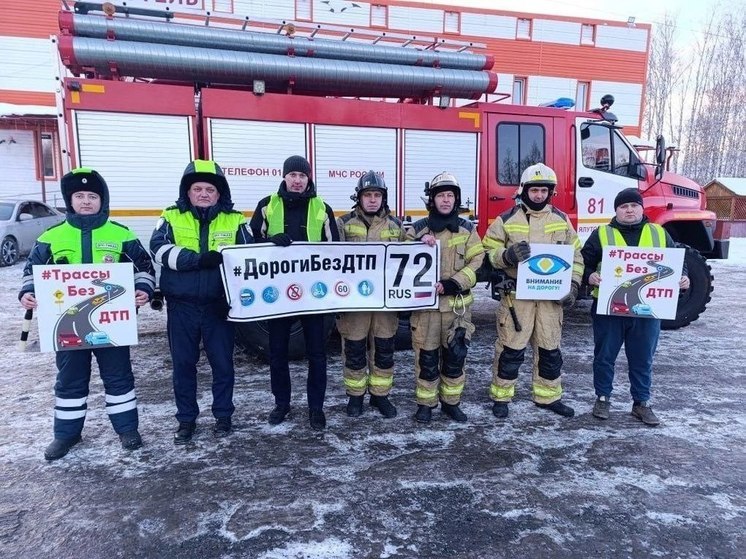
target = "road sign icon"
x: 365, y: 288
x: 294, y: 292
x: 342, y: 289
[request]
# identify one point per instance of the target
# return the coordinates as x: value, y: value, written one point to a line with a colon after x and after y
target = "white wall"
x: 627, y: 97
x: 27, y: 64
x: 18, y: 164
x: 626, y: 38
x: 497, y: 27
x: 542, y: 89
x: 339, y: 12
x: 552, y: 31
x: 415, y: 19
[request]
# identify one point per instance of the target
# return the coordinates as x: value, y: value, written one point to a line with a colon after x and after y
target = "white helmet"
x: 440, y: 183
x: 538, y: 175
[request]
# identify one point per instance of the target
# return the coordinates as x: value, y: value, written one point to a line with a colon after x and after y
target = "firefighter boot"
x: 59, y: 447
x: 130, y: 440
x: 384, y: 406
x: 355, y: 406
x: 559, y: 408
x: 500, y: 410
x: 424, y: 414
x: 453, y: 411
x: 183, y: 434
x: 317, y: 419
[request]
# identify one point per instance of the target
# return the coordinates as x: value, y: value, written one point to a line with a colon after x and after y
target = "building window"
x: 518, y: 146
x: 587, y: 34
x: 523, y: 29
x: 519, y: 91
x: 47, y: 155
x: 379, y: 15
x: 303, y: 9
x: 451, y: 22
x: 581, y: 96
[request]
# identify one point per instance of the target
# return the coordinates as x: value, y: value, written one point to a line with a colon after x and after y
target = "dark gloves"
x: 517, y: 253
x: 62, y: 260
x: 450, y: 287
x: 281, y: 240
x: 221, y: 308
x: 568, y: 300
x: 211, y: 259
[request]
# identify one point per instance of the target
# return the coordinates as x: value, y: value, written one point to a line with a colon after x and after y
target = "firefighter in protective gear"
x: 87, y: 236
x: 186, y: 243
x: 368, y: 337
x: 440, y: 337
x: 532, y: 220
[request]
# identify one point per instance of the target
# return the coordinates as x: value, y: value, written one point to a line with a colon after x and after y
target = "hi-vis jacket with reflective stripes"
x: 461, y: 255
x: 547, y: 226
x: 358, y: 228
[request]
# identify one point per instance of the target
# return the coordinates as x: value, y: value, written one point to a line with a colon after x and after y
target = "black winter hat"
x: 203, y: 170
x: 82, y: 179
x: 626, y: 196
x: 297, y: 164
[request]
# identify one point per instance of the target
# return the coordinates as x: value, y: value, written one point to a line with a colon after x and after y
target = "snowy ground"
x: 534, y: 486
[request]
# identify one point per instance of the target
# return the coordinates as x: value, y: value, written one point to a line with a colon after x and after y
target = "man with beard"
x: 369, y: 221
x: 533, y: 220
x: 296, y: 213
x: 439, y: 347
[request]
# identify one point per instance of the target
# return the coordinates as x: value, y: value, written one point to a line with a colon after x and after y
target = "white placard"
x: 265, y: 281
x: 547, y: 274
x: 85, y: 306
x: 641, y: 282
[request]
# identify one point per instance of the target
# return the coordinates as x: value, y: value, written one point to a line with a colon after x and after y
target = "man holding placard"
x: 638, y: 333
x: 520, y: 321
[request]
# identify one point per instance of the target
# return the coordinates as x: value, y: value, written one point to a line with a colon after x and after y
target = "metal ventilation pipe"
x: 127, y: 29
x: 331, y: 77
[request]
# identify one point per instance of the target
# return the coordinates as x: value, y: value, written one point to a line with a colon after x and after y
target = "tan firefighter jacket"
x: 461, y: 254
x: 548, y: 225
x: 359, y: 228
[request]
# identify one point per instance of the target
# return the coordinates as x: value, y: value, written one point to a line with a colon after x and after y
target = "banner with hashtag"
x: 265, y: 281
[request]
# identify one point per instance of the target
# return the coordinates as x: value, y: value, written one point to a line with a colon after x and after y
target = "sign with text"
x: 265, y: 281
x: 85, y: 306
x: 641, y: 282
x: 547, y: 274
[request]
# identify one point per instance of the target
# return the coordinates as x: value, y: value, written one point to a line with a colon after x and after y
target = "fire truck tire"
x: 254, y: 337
x: 693, y: 301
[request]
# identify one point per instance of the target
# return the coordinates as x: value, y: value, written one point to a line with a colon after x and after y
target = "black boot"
x: 183, y: 434
x: 559, y: 408
x: 222, y: 427
x: 453, y: 411
x: 355, y: 406
x: 317, y: 419
x: 384, y: 406
x: 500, y: 410
x: 277, y: 415
x: 130, y: 440
x: 59, y: 447
x: 424, y: 414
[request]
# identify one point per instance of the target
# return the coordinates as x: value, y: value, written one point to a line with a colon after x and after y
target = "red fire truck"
x: 147, y: 100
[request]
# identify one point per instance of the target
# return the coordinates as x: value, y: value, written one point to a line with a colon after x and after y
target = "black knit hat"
x: 82, y: 179
x: 297, y: 164
x: 626, y: 196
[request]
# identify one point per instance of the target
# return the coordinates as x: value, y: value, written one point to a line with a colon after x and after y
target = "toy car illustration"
x: 627, y: 284
x: 619, y: 307
x: 68, y: 339
x: 97, y: 338
x: 98, y: 300
x: 642, y: 309
x: 72, y: 310
x: 651, y: 277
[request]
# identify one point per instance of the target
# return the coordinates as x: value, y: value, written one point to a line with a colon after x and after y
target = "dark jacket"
x: 296, y: 212
x: 182, y: 278
x: 593, y: 253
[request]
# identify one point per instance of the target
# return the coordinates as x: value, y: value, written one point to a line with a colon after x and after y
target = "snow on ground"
x: 535, y: 485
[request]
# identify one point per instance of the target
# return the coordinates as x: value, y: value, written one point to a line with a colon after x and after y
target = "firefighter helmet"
x: 370, y: 181
x: 538, y: 175
x: 440, y: 183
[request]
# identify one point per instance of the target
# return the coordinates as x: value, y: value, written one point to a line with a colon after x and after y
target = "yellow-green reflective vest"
x: 221, y: 232
x: 107, y: 242
x: 652, y: 235
x: 315, y: 217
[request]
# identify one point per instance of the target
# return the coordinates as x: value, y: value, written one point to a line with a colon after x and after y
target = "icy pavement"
x: 535, y: 485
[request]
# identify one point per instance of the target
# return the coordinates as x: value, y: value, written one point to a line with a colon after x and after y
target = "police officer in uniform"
x: 533, y: 220
x: 439, y: 364
x: 186, y: 243
x: 368, y: 337
x: 87, y: 236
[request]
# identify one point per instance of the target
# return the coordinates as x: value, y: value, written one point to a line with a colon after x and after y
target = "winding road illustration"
x: 74, y: 328
x: 625, y: 300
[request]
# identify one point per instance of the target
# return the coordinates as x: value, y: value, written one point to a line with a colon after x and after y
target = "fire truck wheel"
x: 693, y: 301
x: 254, y: 336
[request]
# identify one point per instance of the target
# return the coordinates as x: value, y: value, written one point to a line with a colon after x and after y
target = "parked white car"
x: 21, y: 223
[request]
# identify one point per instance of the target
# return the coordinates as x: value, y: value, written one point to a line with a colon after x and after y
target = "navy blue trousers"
x: 279, y: 339
x: 71, y: 389
x: 640, y: 339
x: 187, y: 325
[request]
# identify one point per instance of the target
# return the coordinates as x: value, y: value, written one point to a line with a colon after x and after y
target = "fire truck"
x: 145, y: 95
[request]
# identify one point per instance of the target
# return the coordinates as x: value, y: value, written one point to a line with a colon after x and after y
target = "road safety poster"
x: 85, y: 306
x: 546, y: 274
x: 640, y: 281
x: 266, y: 281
